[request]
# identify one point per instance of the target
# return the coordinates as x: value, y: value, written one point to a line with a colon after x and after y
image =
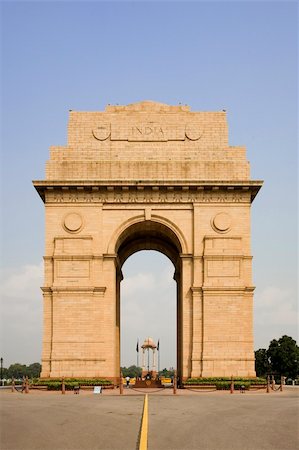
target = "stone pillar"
x: 154, y: 360
x: 197, y: 348
x: 47, y: 332
x: 186, y: 316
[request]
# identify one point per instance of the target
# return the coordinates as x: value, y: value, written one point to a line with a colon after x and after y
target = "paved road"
x: 227, y: 422
x: 201, y: 421
x: 69, y: 422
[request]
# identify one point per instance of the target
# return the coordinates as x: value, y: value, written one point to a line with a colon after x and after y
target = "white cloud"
x: 140, y: 281
x: 21, y: 314
x: 24, y: 281
x: 275, y: 306
x: 275, y: 314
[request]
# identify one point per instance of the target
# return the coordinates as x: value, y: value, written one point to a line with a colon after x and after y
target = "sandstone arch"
x: 155, y: 221
x: 147, y: 175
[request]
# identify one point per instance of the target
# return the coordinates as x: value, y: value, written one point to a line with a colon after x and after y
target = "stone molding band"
x: 73, y: 359
x: 79, y: 289
x: 74, y: 192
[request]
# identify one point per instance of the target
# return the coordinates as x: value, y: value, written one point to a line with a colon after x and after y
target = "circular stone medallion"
x: 193, y: 131
x: 222, y: 222
x: 102, y: 131
x: 73, y: 222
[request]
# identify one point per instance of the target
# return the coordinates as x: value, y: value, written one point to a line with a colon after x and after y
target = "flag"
x: 137, y: 346
x: 158, y: 345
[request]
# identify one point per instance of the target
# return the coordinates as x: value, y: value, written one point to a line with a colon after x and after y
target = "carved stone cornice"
x: 140, y: 193
x: 147, y: 192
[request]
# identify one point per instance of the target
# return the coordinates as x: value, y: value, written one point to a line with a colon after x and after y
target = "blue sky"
x: 238, y: 56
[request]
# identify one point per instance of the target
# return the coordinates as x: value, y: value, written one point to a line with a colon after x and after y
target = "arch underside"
x: 148, y: 235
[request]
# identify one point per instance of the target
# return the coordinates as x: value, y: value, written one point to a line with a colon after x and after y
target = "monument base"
x: 148, y: 384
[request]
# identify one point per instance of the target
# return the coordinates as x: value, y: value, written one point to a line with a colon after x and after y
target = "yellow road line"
x: 144, y: 425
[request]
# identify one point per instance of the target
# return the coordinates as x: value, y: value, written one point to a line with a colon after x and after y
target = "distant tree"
x: 34, y: 370
x: 167, y: 373
x: 262, y: 364
x: 284, y: 356
x: 17, y: 370
x: 132, y: 371
x: 21, y: 370
x: 4, y: 373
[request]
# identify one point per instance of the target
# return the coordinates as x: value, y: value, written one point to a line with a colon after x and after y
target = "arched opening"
x: 148, y: 309
x: 150, y: 235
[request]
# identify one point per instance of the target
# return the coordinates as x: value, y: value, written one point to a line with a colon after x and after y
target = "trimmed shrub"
x: 225, y: 385
x: 225, y: 382
x: 54, y: 384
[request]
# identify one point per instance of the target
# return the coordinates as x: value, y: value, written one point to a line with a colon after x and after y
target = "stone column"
x: 197, y: 349
x: 48, y: 332
x: 143, y: 360
x: 186, y: 315
x: 154, y: 360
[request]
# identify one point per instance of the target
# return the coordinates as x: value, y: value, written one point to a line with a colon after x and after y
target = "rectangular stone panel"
x: 223, y: 245
x: 74, y: 268
x: 223, y: 268
x: 73, y: 246
x: 80, y: 246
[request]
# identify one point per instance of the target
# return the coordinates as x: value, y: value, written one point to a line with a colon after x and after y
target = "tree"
x: 21, y: 370
x: 167, y: 373
x: 262, y: 364
x: 17, y: 370
x: 4, y: 373
x: 34, y: 370
x: 284, y: 356
x: 132, y: 371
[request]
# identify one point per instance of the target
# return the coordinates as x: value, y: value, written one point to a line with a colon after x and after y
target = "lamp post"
x: 1, y: 374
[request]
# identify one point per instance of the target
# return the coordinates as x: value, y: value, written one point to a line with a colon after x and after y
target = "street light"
x: 1, y: 375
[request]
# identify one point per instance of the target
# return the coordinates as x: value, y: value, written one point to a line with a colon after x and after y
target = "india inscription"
x: 148, y: 132
x: 147, y: 176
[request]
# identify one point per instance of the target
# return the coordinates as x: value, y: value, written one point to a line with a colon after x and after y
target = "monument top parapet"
x: 146, y: 106
x: 148, y: 141
x: 148, y: 122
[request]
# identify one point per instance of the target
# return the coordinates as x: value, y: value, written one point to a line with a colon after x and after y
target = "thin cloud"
x: 131, y: 285
x: 21, y: 314
x: 275, y: 306
x: 22, y: 282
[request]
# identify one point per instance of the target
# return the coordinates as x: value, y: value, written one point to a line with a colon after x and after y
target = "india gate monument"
x: 147, y: 176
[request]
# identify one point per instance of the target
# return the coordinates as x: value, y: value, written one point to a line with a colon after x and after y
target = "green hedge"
x: 225, y: 385
x: 54, y: 384
x: 225, y: 382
